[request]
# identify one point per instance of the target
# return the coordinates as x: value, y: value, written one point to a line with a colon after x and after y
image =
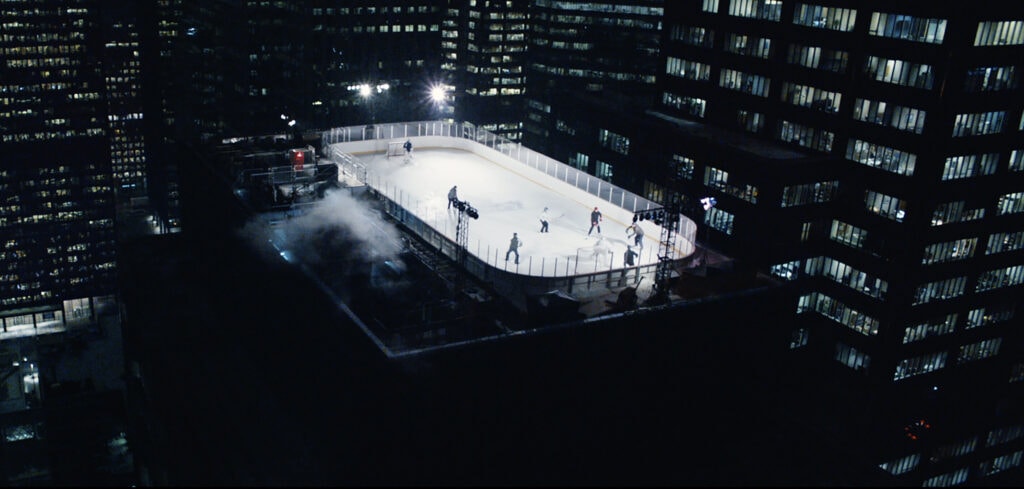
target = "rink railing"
x: 385, y: 133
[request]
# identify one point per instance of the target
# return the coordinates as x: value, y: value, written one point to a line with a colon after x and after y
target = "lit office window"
x: 884, y: 205
x: 884, y: 114
x: 694, y: 36
x: 818, y: 58
x: 719, y: 179
x: 818, y: 192
x: 991, y: 79
x: 1003, y: 242
x: 603, y: 170
x: 960, y: 249
x: 999, y: 33
x: 957, y: 449
x: 881, y: 157
x: 979, y: 350
x: 744, y: 82
x: 748, y: 121
x: 852, y: 357
x: 806, y: 136
x: 999, y: 278
x: 682, y: 166
x: 848, y: 234
x: 1005, y: 434
x: 986, y: 316
x: 969, y: 166
x: 1017, y: 373
x: 758, y: 47
x: 838, y: 19
x: 1010, y: 203
x: 690, y: 70
x: 691, y: 105
x: 580, y: 161
x: 799, y: 338
x: 948, y: 479
x: 952, y: 212
x: 757, y: 9
x: 615, y: 142
x: 710, y: 6
x: 1016, y: 162
x: 786, y: 271
x: 1001, y: 463
x: 844, y: 274
x: 899, y: 26
x: 903, y: 465
x: 839, y: 312
x: 940, y: 290
x: 719, y: 219
x: 920, y: 365
x: 978, y: 124
x: 899, y: 72
x: 935, y: 327
x: 811, y: 97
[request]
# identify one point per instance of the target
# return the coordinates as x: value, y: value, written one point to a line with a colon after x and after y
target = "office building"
x: 902, y: 242
x: 61, y: 406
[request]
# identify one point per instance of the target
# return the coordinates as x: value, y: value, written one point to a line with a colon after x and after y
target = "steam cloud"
x: 338, y: 229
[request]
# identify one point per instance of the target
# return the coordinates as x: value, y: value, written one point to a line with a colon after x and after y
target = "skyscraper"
x: 58, y: 259
x: 903, y: 243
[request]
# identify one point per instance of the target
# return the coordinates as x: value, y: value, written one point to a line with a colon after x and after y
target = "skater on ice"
x: 453, y: 197
x: 595, y: 221
x: 630, y: 256
x: 637, y: 233
x: 513, y: 247
x: 408, y: 147
x: 544, y: 221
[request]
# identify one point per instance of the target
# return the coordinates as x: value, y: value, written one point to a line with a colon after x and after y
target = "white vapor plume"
x: 338, y: 228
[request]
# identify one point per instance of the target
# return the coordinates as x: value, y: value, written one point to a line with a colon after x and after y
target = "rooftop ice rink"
x: 510, y: 186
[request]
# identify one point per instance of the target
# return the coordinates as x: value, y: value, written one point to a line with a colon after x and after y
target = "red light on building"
x: 298, y: 159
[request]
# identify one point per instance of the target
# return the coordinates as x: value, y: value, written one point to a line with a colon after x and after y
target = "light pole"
x: 367, y: 91
x: 439, y: 98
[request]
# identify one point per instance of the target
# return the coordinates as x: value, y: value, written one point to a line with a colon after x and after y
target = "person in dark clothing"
x: 453, y: 196
x: 407, y: 146
x: 595, y: 221
x: 513, y: 247
x: 544, y: 221
x: 630, y: 256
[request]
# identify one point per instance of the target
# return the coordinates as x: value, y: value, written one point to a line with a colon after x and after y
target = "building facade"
x: 907, y: 269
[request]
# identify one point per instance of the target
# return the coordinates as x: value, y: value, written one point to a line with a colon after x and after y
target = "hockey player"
x: 544, y: 221
x: 630, y: 256
x: 595, y: 221
x: 453, y: 196
x: 408, y: 147
x: 637, y: 233
x: 513, y: 247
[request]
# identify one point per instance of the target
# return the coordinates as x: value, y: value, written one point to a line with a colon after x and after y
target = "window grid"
x: 978, y: 124
x: 884, y: 205
x: 999, y: 33
x: 923, y: 364
x: 1011, y: 203
x: 899, y: 72
x: 899, y: 26
x: 744, y: 82
x: 851, y: 357
x: 991, y: 79
x: 692, y: 105
x: 978, y: 351
x: 818, y: 192
x: 808, y: 137
x: 985, y: 316
x: 756, y: 9
x: 935, y: 327
x: 1003, y: 277
x: 969, y: 166
x: 811, y: 97
x: 940, y: 290
x: 960, y: 249
x: 1004, y: 242
x: 837, y: 19
x: 818, y: 58
x: 839, y: 312
x: 757, y: 47
x: 882, y: 157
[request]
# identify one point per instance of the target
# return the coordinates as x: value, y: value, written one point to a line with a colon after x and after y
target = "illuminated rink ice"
x: 510, y: 198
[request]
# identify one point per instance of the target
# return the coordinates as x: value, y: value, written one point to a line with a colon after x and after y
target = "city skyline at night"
x: 866, y: 241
